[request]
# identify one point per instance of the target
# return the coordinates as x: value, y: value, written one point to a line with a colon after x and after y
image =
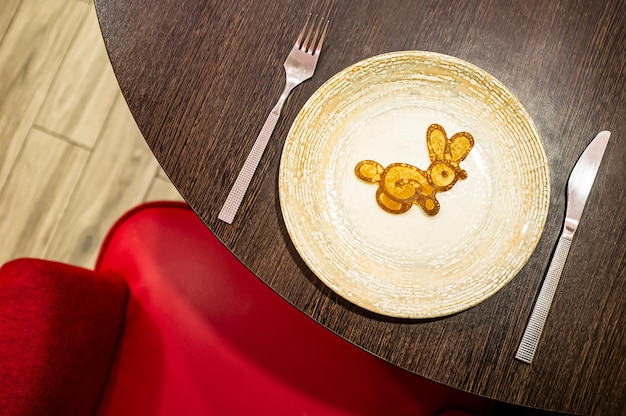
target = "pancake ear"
x: 460, y: 145
x: 369, y: 171
x: 436, y: 139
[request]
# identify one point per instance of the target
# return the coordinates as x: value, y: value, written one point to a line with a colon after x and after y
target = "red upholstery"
x: 203, y: 336
x: 58, y: 329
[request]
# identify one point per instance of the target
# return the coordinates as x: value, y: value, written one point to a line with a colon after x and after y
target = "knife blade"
x: 578, y: 187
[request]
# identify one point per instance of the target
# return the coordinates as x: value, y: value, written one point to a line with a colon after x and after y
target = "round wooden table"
x: 201, y: 76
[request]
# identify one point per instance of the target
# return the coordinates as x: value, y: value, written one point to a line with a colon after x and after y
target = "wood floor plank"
x: 7, y: 10
x: 163, y: 190
x: 84, y: 88
x: 36, y: 194
x: 30, y: 54
x: 117, y: 176
x: 163, y: 175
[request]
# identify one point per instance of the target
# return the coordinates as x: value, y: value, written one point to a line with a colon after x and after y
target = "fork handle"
x: 238, y: 191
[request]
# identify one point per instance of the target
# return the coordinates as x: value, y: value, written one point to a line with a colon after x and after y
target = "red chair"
x: 170, y: 323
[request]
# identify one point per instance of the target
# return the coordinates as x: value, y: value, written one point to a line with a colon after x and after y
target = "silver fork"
x: 299, y: 66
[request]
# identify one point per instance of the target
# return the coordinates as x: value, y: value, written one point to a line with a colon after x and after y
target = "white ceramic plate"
x: 413, y: 265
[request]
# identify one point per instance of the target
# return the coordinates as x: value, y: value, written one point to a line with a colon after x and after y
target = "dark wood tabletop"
x: 201, y: 76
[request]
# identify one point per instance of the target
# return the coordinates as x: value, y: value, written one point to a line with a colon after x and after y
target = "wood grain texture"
x: 34, y: 44
x: 7, y: 11
x: 162, y: 190
x: 116, y: 177
x: 36, y: 194
x: 77, y: 96
x: 200, y: 95
x: 83, y: 90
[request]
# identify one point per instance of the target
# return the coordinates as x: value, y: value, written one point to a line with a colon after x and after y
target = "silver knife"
x: 578, y: 188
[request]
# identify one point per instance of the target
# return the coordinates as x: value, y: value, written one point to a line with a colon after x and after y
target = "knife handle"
x: 530, y: 339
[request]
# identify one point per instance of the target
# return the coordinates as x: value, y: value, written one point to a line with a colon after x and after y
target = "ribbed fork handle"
x: 532, y: 334
x: 238, y: 191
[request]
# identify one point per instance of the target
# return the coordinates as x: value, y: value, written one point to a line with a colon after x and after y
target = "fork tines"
x: 312, y: 27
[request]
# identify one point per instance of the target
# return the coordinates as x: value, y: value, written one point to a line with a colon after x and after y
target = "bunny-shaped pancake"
x: 401, y: 185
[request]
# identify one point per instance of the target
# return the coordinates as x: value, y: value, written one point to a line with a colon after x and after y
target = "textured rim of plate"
x: 302, y: 239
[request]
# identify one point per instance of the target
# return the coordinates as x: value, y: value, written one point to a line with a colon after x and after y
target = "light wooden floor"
x: 71, y: 156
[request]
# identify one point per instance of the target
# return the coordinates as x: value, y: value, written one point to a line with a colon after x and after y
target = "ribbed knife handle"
x: 532, y: 334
